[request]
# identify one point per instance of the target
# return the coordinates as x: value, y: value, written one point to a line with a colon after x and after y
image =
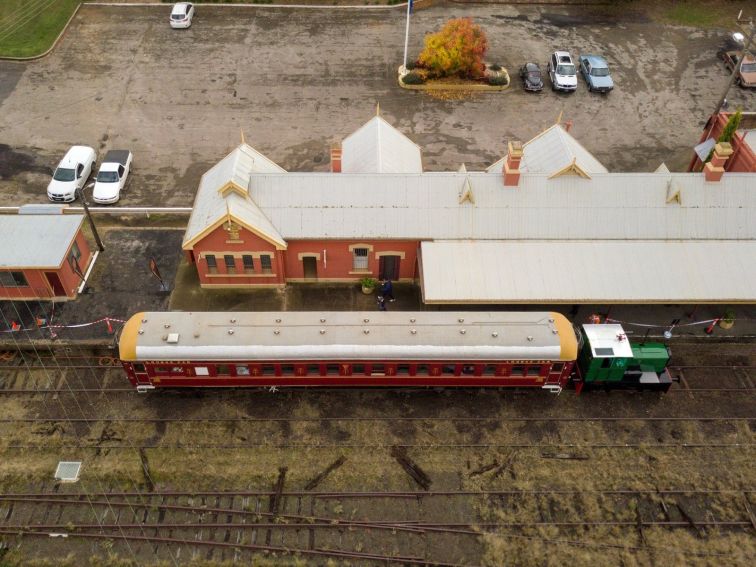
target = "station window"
x: 249, y: 264
x: 266, y: 264
x: 212, y: 264
x: 201, y: 371
x: 518, y: 371
x: 242, y: 370
x: 360, y: 259
x: 230, y: 262
x: 223, y: 370
x: 13, y: 279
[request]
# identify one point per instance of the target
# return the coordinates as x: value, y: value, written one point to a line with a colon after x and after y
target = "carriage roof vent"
x: 172, y: 338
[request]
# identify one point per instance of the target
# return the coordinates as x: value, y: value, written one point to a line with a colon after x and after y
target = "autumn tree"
x: 456, y: 50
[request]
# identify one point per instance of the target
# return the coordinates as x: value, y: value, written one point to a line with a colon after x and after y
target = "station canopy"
x: 601, y: 271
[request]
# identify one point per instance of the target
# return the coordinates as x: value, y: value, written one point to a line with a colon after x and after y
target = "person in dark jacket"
x: 387, y: 289
x: 382, y: 303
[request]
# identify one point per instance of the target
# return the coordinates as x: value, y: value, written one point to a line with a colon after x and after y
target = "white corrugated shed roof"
x: 551, y: 151
x: 598, y: 271
x: 210, y: 206
x: 36, y: 241
x: 426, y: 206
x: 378, y: 147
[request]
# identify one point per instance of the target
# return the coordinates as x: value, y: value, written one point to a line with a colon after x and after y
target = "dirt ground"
x: 297, y: 80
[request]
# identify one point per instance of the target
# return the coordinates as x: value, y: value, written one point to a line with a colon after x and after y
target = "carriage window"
x: 201, y: 371
x: 468, y: 369
x: 518, y: 370
x: 332, y: 369
x: 557, y: 366
x: 534, y: 370
x: 161, y: 370
x: 242, y: 370
x: 287, y: 369
x: 403, y: 369
x: 177, y: 370
x: 377, y: 370
x: 223, y: 370
x: 269, y: 370
x: 490, y: 370
x: 421, y: 370
x: 448, y: 369
x: 139, y: 368
x: 358, y: 369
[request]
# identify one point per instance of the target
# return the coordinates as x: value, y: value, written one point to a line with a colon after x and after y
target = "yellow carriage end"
x: 129, y: 334
x: 567, y: 339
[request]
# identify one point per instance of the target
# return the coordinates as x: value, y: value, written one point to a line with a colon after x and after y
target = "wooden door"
x: 310, y: 266
x: 55, y: 284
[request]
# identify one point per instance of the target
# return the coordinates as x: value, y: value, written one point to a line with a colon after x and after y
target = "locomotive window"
x: 557, y: 366
x: 265, y: 264
x: 518, y: 370
x: 249, y: 264
x: 139, y: 368
x: 242, y: 370
x: 534, y: 370
x: 358, y: 369
x: 223, y: 370
x: 606, y: 363
x: 201, y: 371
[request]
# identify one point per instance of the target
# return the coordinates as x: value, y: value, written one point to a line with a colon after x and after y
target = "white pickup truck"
x: 111, y: 179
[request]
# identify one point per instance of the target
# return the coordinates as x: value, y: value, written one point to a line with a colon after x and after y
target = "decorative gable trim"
x: 280, y: 245
x: 571, y: 169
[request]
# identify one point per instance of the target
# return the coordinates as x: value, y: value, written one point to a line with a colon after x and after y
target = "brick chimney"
x: 512, y: 165
x: 714, y: 170
x: 336, y: 159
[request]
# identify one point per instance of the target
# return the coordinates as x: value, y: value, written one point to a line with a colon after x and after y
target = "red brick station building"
x: 546, y: 223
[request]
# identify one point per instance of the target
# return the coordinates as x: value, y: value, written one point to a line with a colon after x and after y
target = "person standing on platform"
x: 382, y: 303
x: 387, y: 289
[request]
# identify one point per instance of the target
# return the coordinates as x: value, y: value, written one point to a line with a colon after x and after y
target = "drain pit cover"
x: 68, y: 471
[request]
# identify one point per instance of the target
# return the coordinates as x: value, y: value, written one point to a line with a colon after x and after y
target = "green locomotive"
x: 606, y: 358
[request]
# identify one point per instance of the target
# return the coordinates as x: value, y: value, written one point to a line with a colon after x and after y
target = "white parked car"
x: 111, y: 179
x: 562, y: 72
x: 181, y: 15
x: 71, y: 174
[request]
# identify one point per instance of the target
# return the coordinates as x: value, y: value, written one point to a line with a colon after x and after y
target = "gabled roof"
x: 223, y: 195
x: 555, y: 152
x: 378, y: 147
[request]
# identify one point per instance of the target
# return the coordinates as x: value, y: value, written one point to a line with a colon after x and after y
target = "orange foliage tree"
x: 458, y: 49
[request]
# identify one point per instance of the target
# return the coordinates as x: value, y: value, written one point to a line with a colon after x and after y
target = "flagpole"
x: 406, y: 33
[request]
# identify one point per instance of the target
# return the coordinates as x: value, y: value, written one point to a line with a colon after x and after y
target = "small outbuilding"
x: 43, y: 256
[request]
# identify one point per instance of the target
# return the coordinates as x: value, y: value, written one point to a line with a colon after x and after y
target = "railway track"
x: 294, y: 522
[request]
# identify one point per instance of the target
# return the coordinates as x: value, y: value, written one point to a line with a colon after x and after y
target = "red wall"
x: 219, y: 243
x: 336, y: 264
x: 742, y: 158
x: 39, y: 288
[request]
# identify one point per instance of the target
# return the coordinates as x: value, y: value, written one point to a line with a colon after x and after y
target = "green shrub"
x: 368, y: 282
x: 413, y: 79
x: 411, y: 65
x: 498, y: 81
x: 496, y: 67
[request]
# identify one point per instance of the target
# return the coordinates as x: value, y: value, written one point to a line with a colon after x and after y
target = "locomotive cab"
x: 606, y: 358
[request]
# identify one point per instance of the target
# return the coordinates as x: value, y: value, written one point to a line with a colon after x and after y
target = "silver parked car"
x: 596, y: 73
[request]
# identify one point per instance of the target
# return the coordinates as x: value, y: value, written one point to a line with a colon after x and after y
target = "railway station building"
x: 43, y: 256
x: 743, y: 143
x: 547, y: 223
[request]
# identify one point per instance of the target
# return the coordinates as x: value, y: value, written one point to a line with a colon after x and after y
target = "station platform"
x: 122, y: 284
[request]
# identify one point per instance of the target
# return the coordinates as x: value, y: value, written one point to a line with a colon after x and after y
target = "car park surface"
x: 182, y: 99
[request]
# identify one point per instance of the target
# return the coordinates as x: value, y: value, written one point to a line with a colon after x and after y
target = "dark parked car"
x: 532, y: 80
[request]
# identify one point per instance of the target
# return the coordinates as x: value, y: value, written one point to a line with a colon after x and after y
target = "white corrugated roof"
x: 211, y: 206
x: 551, y: 151
x: 36, y: 241
x: 598, y: 271
x: 378, y: 147
x: 426, y: 206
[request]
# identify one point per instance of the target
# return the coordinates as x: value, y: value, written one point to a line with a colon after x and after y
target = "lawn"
x: 28, y: 27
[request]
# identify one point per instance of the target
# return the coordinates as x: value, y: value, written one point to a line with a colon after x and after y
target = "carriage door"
x: 388, y: 267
